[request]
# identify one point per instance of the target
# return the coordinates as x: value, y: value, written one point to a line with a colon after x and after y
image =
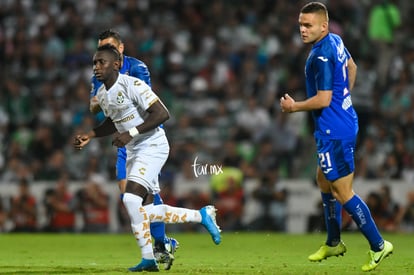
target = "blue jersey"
x: 130, y: 66
x: 327, y: 69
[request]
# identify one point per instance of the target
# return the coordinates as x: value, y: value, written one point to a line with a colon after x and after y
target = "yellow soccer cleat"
x: 375, y: 258
x: 326, y: 251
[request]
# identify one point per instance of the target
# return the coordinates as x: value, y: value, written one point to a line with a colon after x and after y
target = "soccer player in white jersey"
x: 133, y: 114
x: 164, y: 246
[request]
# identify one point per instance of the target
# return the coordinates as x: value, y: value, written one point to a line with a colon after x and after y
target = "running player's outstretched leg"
x: 205, y: 216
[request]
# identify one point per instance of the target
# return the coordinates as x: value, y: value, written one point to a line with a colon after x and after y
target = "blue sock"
x: 361, y: 215
x: 158, y: 228
x: 333, y: 218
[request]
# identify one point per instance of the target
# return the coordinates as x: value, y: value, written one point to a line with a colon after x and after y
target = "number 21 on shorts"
x: 325, y: 162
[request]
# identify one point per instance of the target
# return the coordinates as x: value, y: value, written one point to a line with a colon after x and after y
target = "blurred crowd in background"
x: 220, y: 67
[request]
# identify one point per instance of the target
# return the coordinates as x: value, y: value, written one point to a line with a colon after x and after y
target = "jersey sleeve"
x: 324, y: 71
x: 141, y: 94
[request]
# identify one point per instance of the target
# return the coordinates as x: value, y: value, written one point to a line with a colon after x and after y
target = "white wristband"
x: 133, y: 132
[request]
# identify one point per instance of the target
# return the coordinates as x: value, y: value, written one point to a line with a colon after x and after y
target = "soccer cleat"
x: 145, y: 265
x: 164, y: 252
x: 163, y: 256
x: 172, y: 245
x: 208, y: 219
x: 326, y: 251
x: 375, y: 258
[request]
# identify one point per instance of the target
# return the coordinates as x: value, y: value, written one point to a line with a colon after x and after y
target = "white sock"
x: 140, y: 224
x: 169, y: 214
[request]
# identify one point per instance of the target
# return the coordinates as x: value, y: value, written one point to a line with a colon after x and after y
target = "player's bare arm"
x: 321, y: 100
x: 158, y: 114
x: 94, y: 107
x: 105, y: 129
x: 352, y: 71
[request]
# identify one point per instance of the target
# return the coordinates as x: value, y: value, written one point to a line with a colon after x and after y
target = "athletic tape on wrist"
x: 133, y: 132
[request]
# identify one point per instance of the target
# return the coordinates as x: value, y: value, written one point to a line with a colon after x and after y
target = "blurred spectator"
x: 384, y: 19
x: 286, y: 140
x: 370, y: 159
x: 177, y: 77
x: 392, y: 211
x: 123, y: 220
x: 16, y: 169
x: 407, y: 222
x: 397, y: 98
x: 228, y: 196
x: 272, y: 197
x: 385, y: 211
x: 186, y: 178
x: 19, y: 106
x: 265, y: 159
x: 60, y: 207
x: 316, y: 221
x: 43, y: 145
x: 402, y: 153
x: 391, y: 168
x: 364, y: 97
x: 54, y: 166
x: 93, y: 202
x: 374, y: 203
x: 184, y: 130
x: 231, y: 156
x: 253, y: 118
x: 23, y: 209
x: 3, y: 216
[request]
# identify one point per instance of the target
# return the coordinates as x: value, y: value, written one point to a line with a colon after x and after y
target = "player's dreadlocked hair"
x: 113, y: 50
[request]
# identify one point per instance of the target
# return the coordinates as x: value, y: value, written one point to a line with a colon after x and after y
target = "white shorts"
x: 145, y: 161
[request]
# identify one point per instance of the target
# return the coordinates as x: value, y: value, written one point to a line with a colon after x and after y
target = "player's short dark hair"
x: 109, y: 48
x: 315, y: 7
x: 110, y: 33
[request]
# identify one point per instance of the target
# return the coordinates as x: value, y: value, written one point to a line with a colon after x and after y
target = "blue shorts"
x: 336, y: 157
x: 121, y: 164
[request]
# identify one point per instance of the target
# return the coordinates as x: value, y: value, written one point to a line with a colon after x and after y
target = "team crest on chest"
x: 120, y: 98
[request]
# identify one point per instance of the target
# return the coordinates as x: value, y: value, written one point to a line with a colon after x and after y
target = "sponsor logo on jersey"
x: 125, y: 119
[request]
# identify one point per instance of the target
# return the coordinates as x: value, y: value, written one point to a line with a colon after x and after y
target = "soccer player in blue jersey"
x: 164, y: 247
x: 330, y: 75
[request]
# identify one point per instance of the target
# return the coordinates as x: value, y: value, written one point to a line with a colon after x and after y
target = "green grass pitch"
x: 239, y: 253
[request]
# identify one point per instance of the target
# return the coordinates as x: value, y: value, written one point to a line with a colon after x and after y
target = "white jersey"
x: 125, y: 103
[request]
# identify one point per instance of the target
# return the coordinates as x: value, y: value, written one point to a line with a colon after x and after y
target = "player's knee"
x: 149, y: 199
x: 136, y: 189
